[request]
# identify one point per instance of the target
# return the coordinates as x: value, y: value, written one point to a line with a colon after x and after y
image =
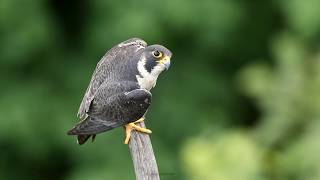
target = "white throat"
x: 147, y: 80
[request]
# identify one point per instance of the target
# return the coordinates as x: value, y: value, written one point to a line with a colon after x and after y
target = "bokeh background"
x: 240, y: 101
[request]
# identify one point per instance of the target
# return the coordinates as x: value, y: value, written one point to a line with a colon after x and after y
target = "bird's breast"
x: 146, y: 82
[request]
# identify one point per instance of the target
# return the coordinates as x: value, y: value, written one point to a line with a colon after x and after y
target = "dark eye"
x: 157, y: 54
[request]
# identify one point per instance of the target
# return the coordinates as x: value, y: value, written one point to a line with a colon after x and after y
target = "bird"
x: 119, y: 90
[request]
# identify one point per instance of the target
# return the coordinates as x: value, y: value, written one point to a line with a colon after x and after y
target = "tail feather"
x: 91, y: 126
x: 86, y: 129
x: 81, y: 139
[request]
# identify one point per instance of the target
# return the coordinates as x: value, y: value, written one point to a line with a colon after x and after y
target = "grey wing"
x: 104, y: 69
x: 106, y: 113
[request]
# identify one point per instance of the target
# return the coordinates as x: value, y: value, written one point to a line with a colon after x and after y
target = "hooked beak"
x: 165, y: 61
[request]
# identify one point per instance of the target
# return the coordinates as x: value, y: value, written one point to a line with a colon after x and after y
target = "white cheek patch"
x: 147, y: 80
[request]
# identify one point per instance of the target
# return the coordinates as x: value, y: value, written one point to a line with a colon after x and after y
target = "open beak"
x: 165, y: 61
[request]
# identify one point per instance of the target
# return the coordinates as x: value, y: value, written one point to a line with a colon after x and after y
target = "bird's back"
x: 115, y: 65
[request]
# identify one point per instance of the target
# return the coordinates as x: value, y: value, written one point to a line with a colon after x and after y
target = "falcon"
x: 119, y: 91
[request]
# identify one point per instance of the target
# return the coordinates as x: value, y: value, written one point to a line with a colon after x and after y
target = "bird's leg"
x: 131, y: 126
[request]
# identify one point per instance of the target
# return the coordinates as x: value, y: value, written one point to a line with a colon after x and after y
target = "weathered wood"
x: 144, y: 161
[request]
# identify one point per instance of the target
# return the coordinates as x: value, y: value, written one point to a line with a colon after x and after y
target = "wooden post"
x: 144, y: 161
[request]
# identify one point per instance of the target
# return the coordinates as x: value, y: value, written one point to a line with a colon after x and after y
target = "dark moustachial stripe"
x: 150, y: 64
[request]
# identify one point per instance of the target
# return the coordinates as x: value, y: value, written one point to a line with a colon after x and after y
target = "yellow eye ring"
x: 157, y: 54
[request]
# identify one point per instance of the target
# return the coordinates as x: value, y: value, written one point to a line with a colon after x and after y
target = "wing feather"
x: 115, y: 111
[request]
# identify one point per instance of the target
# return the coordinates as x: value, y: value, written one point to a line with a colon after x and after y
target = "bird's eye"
x: 157, y: 54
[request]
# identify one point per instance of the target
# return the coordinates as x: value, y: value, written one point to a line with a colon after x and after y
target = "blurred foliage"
x: 216, y: 158
x: 240, y: 101
x: 288, y: 96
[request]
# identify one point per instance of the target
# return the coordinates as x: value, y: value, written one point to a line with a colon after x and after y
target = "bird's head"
x: 154, y: 59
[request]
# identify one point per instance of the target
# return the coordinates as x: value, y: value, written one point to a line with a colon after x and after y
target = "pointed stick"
x: 144, y: 161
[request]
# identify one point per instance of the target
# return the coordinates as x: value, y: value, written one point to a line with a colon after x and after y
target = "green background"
x: 241, y: 99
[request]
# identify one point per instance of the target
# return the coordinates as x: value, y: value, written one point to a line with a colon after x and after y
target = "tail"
x: 81, y: 138
x: 87, y: 128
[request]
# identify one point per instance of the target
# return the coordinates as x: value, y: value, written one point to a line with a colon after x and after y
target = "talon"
x: 128, y: 133
x: 131, y: 126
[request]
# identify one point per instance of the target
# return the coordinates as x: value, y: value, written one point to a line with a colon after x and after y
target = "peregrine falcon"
x: 119, y: 90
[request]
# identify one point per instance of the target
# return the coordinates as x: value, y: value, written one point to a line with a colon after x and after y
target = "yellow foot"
x: 131, y: 126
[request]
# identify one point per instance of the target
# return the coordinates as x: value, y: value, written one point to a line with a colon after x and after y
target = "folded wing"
x: 106, y: 113
x: 104, y: 70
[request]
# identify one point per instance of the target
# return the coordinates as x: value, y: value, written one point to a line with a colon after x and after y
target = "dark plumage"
x: 119, y: 90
